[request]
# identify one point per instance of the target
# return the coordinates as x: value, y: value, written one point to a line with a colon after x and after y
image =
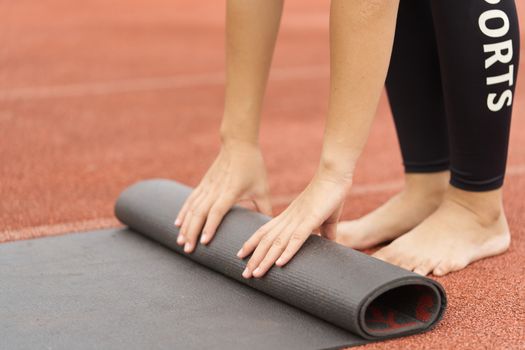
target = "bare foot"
x: 466, y: 227
x: 421, y: 196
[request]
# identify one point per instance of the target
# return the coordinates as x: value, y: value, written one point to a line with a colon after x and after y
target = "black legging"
x: 451, y: 84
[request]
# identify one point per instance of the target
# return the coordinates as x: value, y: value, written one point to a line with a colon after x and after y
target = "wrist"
x: 238, y: 137
x: 337, y: 167
x: 238, y: 142
x: 338, y: 157
x: 239, y: 131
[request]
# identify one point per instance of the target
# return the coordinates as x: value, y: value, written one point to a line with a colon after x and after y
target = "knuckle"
x: 278, y: 242
x: 261, y: 232
x: 265, y: 240
x: 296, y: 237
x: 197, y: 212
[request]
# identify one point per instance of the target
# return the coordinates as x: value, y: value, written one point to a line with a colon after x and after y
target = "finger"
x: 198, y: 217
x: 278, y: 246
x: 262, y: 248
x: 217, y: 212
x: 329, y: 230
x: 249, y: 246
x: 263, y: 204
x: 187, y: 203
x: 329, y: 227
x: 187, y: 219
x: 297, y: 239
x: 181, y: 239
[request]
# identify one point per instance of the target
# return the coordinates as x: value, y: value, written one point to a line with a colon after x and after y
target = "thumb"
x: 263, y: 204
x: 329, y: 227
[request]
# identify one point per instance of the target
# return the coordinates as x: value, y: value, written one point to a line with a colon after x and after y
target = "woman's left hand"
x: 318, y: 206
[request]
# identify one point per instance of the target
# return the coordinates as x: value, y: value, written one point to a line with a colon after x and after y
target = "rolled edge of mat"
x: 402, y: 307
x: 360, y: 293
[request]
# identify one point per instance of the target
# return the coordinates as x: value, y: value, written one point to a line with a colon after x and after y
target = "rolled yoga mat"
x: 349, y: 289
x: 121, y: 289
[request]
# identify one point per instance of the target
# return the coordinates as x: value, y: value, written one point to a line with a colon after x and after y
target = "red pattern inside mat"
x: 407, y: 308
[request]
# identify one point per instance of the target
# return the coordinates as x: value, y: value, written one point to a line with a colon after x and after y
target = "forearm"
x: 361, y: 37
x: 251, y: 31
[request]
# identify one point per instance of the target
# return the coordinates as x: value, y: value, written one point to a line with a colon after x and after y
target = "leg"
x: 414, y: 90
x: 478, y: 44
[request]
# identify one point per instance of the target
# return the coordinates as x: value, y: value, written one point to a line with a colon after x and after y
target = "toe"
x: 448, y: 266
x: 406, y: 265
x: 381, y: 254
x: 386, y: 255
x: 443, y: 268
x: 425, y: 267
x: 407, y: 262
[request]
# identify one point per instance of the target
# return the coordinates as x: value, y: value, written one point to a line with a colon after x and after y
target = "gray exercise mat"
x: 117, y: 289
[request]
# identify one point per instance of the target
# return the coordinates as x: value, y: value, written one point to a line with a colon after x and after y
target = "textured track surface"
x: 96, y: 95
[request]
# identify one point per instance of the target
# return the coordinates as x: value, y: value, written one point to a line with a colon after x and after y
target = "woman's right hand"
x: 238, y: 173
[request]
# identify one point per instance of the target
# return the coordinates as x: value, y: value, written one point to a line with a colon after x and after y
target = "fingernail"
x: 187, y: 247
x: 256, y: 272
x: 246, y: 273
x: 240, y: 253
x: 204, y: 238
x: 180, y: 239
x: 177, y: 222
x: 279, y: 261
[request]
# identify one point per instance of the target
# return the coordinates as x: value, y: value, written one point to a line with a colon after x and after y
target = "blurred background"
x: 95, y: 95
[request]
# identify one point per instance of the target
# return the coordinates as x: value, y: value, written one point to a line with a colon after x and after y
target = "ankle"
x: 431, y: 186
x: 486, y: 206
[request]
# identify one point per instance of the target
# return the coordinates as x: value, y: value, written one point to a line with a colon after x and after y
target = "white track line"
x: 57, y: 229
x: 151, y: 84
x: 87, y: 225
x: 387, y: 186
